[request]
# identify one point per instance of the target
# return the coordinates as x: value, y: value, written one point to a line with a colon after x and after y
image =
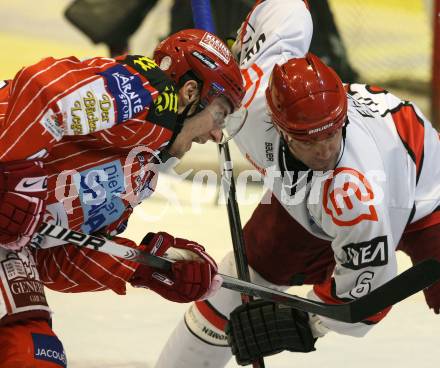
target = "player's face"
x: 211, y: 128
x: 318, y: 155
x: 203, y: 127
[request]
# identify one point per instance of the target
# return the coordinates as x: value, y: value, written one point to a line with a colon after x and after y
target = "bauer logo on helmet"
x: 322, y: 128
x: 211, y: 64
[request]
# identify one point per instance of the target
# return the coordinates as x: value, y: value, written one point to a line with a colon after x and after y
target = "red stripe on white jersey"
x: 411, y: 130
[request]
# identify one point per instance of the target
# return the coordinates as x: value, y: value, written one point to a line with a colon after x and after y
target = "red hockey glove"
x: 23, y: 191
x: 193, y: 275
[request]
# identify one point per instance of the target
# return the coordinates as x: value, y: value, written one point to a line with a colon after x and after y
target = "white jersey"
x: 387, y: 175
x: 276, y: 31
x: 363, y: 237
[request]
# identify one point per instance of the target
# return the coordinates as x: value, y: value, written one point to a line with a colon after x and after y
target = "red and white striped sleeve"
x: 115, y: 99
x: 70, y: 269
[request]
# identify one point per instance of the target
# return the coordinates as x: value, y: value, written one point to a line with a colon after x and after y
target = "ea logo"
x: 347, y: 197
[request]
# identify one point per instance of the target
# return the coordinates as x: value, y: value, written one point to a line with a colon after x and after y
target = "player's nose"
x: 216, y: 135
x: 324, y: 151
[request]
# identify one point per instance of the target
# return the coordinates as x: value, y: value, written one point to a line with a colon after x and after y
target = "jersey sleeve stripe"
x: 411, y: 131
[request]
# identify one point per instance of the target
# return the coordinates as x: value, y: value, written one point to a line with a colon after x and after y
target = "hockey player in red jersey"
x: 68, y: 130
x: 352, y: 176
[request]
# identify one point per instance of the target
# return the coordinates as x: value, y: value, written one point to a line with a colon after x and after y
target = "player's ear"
x: 188, y: 93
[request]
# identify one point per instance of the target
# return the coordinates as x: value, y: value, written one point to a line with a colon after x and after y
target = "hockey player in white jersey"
x: 352, y: 175
x: 359, y: 172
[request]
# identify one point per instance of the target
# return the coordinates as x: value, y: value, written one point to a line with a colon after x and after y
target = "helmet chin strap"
x: 164, y: 154
x: 180, y: 121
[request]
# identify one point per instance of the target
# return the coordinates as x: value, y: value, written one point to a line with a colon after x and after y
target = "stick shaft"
x: 203, y: 19
x: 402, y: 286
x: 99, y: 244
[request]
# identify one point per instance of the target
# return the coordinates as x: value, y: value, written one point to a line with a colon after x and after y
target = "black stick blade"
x: 401, y: 287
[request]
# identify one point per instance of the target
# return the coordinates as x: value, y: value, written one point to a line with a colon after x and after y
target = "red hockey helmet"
x: 306, y: 98
x: 208, y: 58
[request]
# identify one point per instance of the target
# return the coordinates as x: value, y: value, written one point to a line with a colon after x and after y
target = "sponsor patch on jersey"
x: 21, y: 283
x: 371, y: 253
x: 49, y: 348
x: 348, y: 197
x: 269, y: 151
x: 164, y: 111
x: 88, y: 109
x: 52, y: 125
x: 126, y: 88
x: 143, y: 64
x: 216, y: 46
x: 166, y: 101
x: 149, y: 69
x: 255, y: 48
x: 99, y: 189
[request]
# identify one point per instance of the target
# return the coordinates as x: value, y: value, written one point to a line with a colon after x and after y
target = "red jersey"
x: 83, y: 119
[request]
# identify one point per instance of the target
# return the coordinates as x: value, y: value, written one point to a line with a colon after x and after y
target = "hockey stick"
x: 401, y: 287
x: 203, y: 19
x: 99, y: 244
x: 397, y: 289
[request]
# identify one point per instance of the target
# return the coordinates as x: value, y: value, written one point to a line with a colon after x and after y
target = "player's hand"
x: 23, y: 192
x: 193, y: 275
x: 261, y: 328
